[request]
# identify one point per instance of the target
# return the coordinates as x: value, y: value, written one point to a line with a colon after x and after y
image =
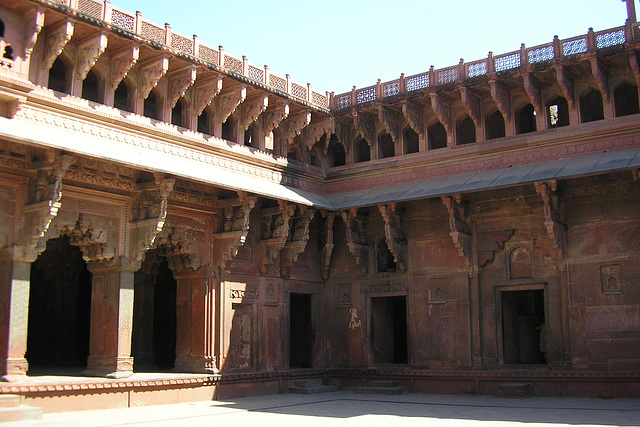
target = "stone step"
x: 381, y: 390
x: 10, y: 400
x: 20, y: 413
x: 310, y: 382
x: 313, y: 390
x: 515, y: 390
x: 383, y: 383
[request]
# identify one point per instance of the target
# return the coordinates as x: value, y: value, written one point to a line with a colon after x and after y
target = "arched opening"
x: 625, y: 99
x: 250, y: 137
x: 58, y: 76
x: 8, y: 53
x: 558, y: 110
x: 495, y: 125
x: 59, y: 309
x: 386, y: 147
x: 386, y: 262
x: 437, y: 136
x: 1, y: 28
x: 177, y: 113
x: 336, y: 155
x: 152, y: 106
x: 362, y: 150
x: 91, y: 87
x: 411, y: 140
x: 121, y: 97
x: 153, y: 345
x: 465, y: 131
x: 229, y: 128
x: 591, y: 108
x: 526, y: 120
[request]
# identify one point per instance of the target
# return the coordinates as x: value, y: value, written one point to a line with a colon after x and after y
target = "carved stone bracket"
x: 32, y: 31
x: 459, y: 224
x: 566, y: 84
x: 327, y: 248
x: 500, y: 95
x: 121, y: 63
x: 179, y: 82
x: 150, y: 74
x: 178, y: 247
x: 415, y: 116
x: 55, y: 41
x: 150, y: 217
x: 390, y: 119
x: 293, y: 126
x: 276, y: 233
x: 635, y: 67
x: 91, y: 241
x: 236, y: 229
x: 555, y: 228
x: 251, y: 110
x: 356, y: 240
x: 299, y: 237
x: 89, y: 50
x: 270, y: 119
x: 44, y: 202
x: 393, y: 235
x: 598, y: 69
x: 443, y: 111
x: 226, y: 104
x: 471, y: 102
x: 365, y: 126
x: 532, y: 87
x: 204, y: 92
x: 313, y: 133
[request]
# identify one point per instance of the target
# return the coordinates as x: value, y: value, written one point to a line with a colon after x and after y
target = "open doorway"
x: 389, y: 329
x: 59, y: 311
x: 301, y: 332
x: 524, y: 327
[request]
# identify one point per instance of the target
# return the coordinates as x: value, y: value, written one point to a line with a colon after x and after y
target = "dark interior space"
x: 301, y: 332
x: 389, y: 329
x: 523, y: 327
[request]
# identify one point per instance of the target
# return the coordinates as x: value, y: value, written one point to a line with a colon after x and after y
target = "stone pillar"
x: 111, y: 318
x: 631, y: 10
x: 14, y: 311
x: 195, y: 326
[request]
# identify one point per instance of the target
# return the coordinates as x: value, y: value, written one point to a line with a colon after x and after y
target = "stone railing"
x: 492, y: 64
x: 179, y: 44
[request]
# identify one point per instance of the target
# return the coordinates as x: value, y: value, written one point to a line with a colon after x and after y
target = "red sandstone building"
x: 170, y: 208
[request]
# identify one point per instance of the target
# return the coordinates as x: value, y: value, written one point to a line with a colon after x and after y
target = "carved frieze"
x: 356, y: 239
x: 121, y: 63
x: 393, y: 234
x: 55, y: 40
x: 89, y: 50
x: 460, y: 227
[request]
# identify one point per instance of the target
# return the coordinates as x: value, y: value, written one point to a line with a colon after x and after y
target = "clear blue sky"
x: 335, y: 44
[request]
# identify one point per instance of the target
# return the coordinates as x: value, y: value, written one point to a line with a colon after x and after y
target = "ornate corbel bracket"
x: 390, y: 119
x: 566, y: 84
x: 276, y: 234
x: 179, y: 82
x: 551, y: 199
x: 299, y: 237
x: 393, y: 235
x: 414, y: 115
x: 635, y: 67
x: 500, y: 95
x: 31, y: 34
x: 235, y: 229
x: 91, y: 241
x: 121, y: 63
x: 89, y: 50
x: 293, y: 126
x: 270, y: 119
x: 356, y: 240
x: 327, y: 248
x: 314, y: 132
x: 365, y: 126
x: 442, y: 110
x: 472, y: 103
x: 150, y: 74
x: 226, y: 104
x: 204, y: 92
x: 459, y: 225
x: 251, y: 110
x: 598, y: 69
x: 55, y: 41
x: 532, y: 87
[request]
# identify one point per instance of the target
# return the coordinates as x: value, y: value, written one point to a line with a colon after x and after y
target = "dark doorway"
x: 154, y: 316
x: 301, y: 332
x: 389, y: 329
x: 523, y: 327
x: 59, y: 308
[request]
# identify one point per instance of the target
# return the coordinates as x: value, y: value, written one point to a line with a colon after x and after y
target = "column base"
x: 196, y: 364
x: 110, y: 367
x: 14, y: 369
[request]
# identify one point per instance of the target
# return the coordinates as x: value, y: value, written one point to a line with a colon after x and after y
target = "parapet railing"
x: 492, y: 64
x: 135, y: 23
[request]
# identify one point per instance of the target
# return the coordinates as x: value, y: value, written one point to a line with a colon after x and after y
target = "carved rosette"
x: 236, y: 230
x: 393, y: 235
x: 299, y: 237
x: 459, y: 224
x: 276, y: 234
x: 356, y: 240
x: 555, y: 228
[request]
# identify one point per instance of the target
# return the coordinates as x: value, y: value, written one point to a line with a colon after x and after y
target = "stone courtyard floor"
x: 344, y: 408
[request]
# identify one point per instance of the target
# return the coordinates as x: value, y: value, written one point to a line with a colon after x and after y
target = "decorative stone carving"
x: 89, y: 50
x: 442, y: 110
x: 390, y: 119
x: 356, y: 240
x: 532, y: 87
x: 204, y: 92
x: 365, y: 126
x: 226, y: 104
x: 236, y: 229
x: 472, y: 103
x: 610, y: 279
x: 555, y: 228
x: 293, y: 126
x: 179, y: 82
x: 518, y: 251
x: 460, y: 226
x: 393, y: 235
x: 270, y: 119
x: 598, y: 69
x: 121, y: 63
x: 32, y: 31
x: 150, y: 74
x: 414, y: 114
x: 500, y: 95
x: 635, y: 67
x: 250, y: 110
x: 327, y: 248
x: 299, y: 237
x: 180, y: 246
x: 91, y: 241
x: 276, y: 233
x: 55, y: 41
x: 566, y: 84
x: 313, y: 133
